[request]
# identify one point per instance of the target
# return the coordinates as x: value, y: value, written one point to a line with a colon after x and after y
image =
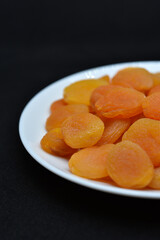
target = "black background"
x: 41, y: 42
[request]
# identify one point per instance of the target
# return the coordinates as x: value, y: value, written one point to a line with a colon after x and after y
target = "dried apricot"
x: 154, y: 90
x: 114, y: 128
x: 82, y: 130
x: 53, y: 143
x: 146, y: 133
x: 60, y: 114
x: 57, y: 104
x: 99, y: 92
x: 129, y: 165
x: 137, y: 78
x: 90, y: 162
x: 120, y: 103
x: 151, y: 106
x: 80, y: 92
x: 104, y: 78
x: 156, y: 79
x: 155, y: 183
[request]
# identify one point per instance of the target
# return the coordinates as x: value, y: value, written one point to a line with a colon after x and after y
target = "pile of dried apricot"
x: 109, y: 128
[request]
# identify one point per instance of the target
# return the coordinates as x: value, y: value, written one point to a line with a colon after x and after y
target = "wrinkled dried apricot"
x: 155, y: 183
x: 156, y: 79
x: 120, y: 103
x: 82, y: 130
x: 57, y: 104
x: 90, y: 162
x: 99, y: 92
x: 80, y: 92
x: 53, y: 143
x: 60, y: 114
x: 114, y: 128
x: 137, y: 78
x: 154, y: 90
x: 129, y: 165
x: 145, y: 132
x: 151, y: 106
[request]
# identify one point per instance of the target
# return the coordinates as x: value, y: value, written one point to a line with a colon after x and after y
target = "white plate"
x: 32, y: 128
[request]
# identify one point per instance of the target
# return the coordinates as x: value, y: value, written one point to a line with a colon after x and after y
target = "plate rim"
x: 152, y: 194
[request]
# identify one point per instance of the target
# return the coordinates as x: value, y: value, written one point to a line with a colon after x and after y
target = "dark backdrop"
x: 40, y: 42
x: 49, y: 22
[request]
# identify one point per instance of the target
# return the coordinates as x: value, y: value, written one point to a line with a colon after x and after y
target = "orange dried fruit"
x: 154, y: 90
x: 53, y: 143
x: 114, y: 128
x: 151, y: 106
x: 80, y: 92
x: 156, y: 79
x: 137, y: 78
x: 60, y: 114
x: 90, y: 162
x: 120, y: 103
x: 155, y: 183
x: 57, y: 104
x: 129, y: 165
x: 145, y: 132
x: 104, y: 78
x: 99, y: 92
x: 82, y: 130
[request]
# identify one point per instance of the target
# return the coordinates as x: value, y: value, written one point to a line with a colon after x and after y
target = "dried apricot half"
x: 155, y: 183
x: 146, y: 133
x: 151, y: 106
x: 57, y: 104
x: 80, y: 92
x: 82, y: 130
x: 100, y: 92
x: 129, y: 165
x: 114, y: 128
x: 120, y: 103
x: 53, y: 143
x: 154, y: 90
x: 61, y: 113
x: 137, y: 78
x: 156, y: 79
x: 90, y: 162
